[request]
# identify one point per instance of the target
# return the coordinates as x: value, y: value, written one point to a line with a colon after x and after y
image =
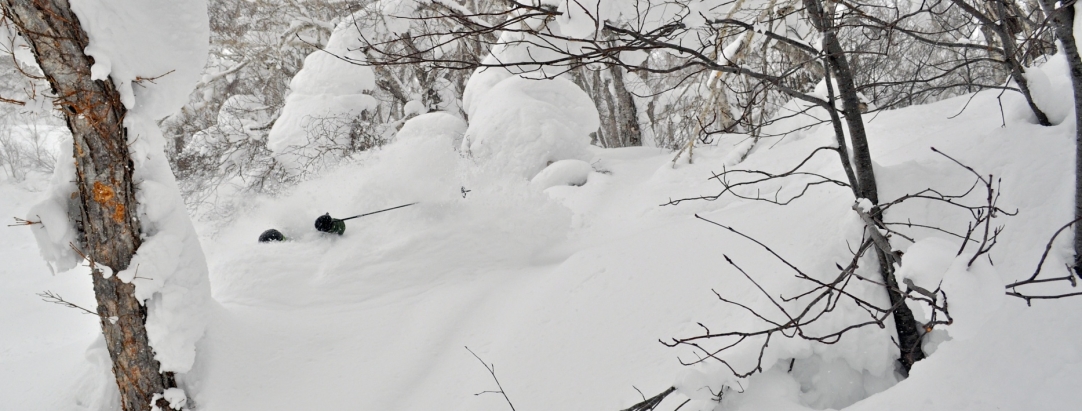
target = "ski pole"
x: 377, y: 212
x: 328, y: 224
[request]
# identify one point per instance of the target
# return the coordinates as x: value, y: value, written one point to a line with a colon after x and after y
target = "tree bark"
x: 609, y: 134
x: 106, y: 198
x: 1063, y: 25
x: 627, y: 116
x: 847, y: 92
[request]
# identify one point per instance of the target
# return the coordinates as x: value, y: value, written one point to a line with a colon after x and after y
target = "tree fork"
x: 110, y: 230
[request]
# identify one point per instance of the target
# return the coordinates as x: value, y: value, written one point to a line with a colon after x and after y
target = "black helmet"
x: 271, y: 235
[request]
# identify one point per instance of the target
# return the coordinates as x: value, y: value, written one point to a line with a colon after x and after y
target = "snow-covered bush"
x: 326, y: 96
x: 336, y: 106
x: 229, y: 158
x: 521, y: 125
x: 29, y: 131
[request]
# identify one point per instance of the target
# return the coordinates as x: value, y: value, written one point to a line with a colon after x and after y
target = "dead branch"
x: 140, y: 79
x: 491, y: 368
x: 21, y: 222
x: 51, y: 297
x: 1070, y: 277
x: 758, y: 177
x: 651, y: 403
x: 823, y: 298
x: 799, y: 311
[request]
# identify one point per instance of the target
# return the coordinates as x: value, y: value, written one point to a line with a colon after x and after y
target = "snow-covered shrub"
x: 336, y: 105
x: 521, y: 125
x: 326, y: 96
x: 229, y: 158
x: 256, y: 47
x: 29, y: 131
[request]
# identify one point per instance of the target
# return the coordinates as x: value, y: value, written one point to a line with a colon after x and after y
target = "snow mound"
x: 926, y: 261
x: 562, y: 173
x: 1047, y: 83
x: 431, y: 126
x: 974, y: 294
x: 414, y: 107
x: 170, y: 265
x: 521, y: 125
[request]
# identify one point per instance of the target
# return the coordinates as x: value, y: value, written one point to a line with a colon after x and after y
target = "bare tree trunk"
x: 905, y: 324
x: 615, y: 105
x: 106, y: 195
x: 610, y: 131
x: 627, y: 116
x: 847, y: 92
x: 1063, y: 25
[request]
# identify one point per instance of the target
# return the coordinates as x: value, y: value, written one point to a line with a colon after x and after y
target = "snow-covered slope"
x: 41, y: 345
x: 568, y: 290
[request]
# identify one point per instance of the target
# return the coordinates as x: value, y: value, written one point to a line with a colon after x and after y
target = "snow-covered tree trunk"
x: 1063, y: 18
x: 106, y: 192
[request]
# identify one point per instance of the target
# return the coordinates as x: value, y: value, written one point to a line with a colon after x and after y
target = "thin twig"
x: 51, y: 297
x: 21, y: 222
x: 651, y: 403
x: 492, y: 371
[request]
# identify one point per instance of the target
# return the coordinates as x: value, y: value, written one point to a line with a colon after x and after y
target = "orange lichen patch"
x: 118, y: 214
x: 103, y: 194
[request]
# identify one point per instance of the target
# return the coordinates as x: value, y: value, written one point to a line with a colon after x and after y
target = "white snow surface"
x: 568, y: 290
